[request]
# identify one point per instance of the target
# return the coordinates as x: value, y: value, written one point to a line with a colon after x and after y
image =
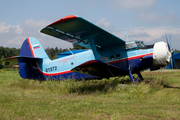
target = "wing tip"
x: 64, y: 19
x: 11, y: 58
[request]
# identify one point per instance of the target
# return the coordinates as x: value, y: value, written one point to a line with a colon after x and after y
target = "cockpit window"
x: 140, y: 44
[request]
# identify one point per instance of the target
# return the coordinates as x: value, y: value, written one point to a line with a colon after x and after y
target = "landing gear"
x: 138, y: 76
x: 131, y: 76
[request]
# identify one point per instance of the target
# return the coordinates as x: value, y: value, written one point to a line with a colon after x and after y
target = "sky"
x: 146, y: 20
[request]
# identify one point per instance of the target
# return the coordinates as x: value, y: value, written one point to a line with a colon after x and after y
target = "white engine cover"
x: 161, y: 54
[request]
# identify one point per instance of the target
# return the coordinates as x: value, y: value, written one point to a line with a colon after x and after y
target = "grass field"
x: 157, y: 97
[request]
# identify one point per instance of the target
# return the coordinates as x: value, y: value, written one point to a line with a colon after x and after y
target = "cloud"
x: 3, y: 28
x: 6, y: 29
x: 133, y: 4
x: 31, y: 23
x: 105, y: 25
x: 15, y: 41
x: 149, y: 34
x: 13, y: 36
x: 102, y: 22
x: 156, y: 19
x: 18, y: 30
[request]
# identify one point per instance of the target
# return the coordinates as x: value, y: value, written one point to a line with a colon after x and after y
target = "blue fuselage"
x: 61, y: 68
x: 35, y: 64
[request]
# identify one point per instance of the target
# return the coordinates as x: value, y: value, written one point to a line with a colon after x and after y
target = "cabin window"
x: 127, y: 46
x: 118, y: 56
x: 105, y: 58
x: 133, y: 45
x: 112, y: 57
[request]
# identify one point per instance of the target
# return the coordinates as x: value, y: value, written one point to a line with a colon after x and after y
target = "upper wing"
x: 99, y: 68
x: 78, y: 30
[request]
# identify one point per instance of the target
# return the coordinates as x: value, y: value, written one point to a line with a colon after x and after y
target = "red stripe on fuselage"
x: 59, y: 73
x: 130, y: 58
x: 52, y: 74
x: 30, y: 47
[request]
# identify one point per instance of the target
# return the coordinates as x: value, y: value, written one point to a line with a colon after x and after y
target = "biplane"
x: 106, y: 55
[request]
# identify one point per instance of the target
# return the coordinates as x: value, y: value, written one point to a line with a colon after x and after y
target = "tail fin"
x: 32, y: 48
x: 30, y: 59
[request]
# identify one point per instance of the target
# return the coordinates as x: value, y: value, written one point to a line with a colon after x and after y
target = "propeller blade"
x: 173, y: 63
x: 168, y: 43
x: 170, y: 40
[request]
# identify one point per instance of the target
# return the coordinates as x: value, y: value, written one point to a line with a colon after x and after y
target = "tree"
x: 177, y: 51
x: 8, y: 52
x: 78, y: 47
x: 1, y: 60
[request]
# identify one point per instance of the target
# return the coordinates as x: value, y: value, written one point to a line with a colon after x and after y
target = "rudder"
x: 31, y: 49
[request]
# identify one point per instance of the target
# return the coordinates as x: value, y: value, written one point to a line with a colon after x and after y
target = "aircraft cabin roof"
x: 60, y: 55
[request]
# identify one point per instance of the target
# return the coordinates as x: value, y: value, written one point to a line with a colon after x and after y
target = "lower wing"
x: 100, y: 69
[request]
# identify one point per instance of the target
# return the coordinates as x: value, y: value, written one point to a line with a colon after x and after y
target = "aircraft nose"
x: 161, y: 54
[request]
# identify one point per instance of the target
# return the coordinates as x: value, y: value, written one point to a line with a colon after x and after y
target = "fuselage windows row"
x: 110, y: 58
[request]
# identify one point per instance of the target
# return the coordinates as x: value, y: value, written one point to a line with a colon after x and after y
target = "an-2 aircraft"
x: 106, y: 56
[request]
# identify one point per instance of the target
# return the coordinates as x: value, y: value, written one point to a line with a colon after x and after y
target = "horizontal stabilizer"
x: 11, y: 59
x: 15, y: 58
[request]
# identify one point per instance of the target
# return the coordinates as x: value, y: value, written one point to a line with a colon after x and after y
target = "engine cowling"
x: 161, y: 54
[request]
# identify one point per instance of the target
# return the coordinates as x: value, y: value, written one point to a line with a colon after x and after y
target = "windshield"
x: 130, y: 45
x: 140, y: 44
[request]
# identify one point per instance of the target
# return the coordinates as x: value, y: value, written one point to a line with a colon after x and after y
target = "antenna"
x: 127, y: 35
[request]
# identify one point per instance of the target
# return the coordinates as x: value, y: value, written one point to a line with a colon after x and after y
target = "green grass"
x: 157, y: 97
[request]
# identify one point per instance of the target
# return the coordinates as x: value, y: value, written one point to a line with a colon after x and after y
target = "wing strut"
x: 110, y: 72
x: 91, y: 37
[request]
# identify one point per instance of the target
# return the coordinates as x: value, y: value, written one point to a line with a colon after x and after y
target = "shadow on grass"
x: 157, y: 82
x: 87, y: 86
x: 94, y: 86
x: 172, y: 86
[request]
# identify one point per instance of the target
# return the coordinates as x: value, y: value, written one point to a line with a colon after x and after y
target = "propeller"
x: 173, y: 63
